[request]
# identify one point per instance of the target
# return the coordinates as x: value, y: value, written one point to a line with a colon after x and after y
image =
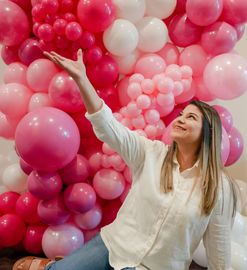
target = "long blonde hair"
x: 209, y: 155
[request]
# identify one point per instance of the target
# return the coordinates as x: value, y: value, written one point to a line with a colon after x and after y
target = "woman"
x: 180, y: 194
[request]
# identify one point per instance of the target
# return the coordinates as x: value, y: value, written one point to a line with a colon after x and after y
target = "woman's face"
x: 187, y: 127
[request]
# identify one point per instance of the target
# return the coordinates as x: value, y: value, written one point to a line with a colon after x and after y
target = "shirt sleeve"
x: 217, y: 238
x: 128, y: 144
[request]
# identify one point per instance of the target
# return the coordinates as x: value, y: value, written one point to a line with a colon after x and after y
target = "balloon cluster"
x: 146, y: 58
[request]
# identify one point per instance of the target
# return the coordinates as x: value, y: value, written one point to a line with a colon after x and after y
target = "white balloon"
x: 121, y: 37
x: 199, y: 255
x: 14, y: 178
x: 239, y: 256
x: 160, y: 8
x: 153, y: 34
x: 132, y: 10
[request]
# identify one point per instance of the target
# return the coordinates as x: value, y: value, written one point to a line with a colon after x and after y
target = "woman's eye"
x: 192, y: 116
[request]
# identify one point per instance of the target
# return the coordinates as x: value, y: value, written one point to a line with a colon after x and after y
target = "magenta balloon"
x: 219, y: 38
x: 236, y: 146
x: 225, y: 76
x: 79, y: 197
x: 95, y: 15
x: 9, y: 54
x: 29, y: 51
x: 225, y: 117
x: 103, y: 73
x: 27, y: 169
x: 53, y: 211
x: 8, y: 201
x: 76, y: 171
x: 61, y: 240
x: 65, y: 93
x: 47, y: 139
x: 14, y: 24
x: 235, y: 11
x: 204, y: 12
x: 110, y: 96
x: 183, y: 32
x: 44, y: 185
x: 225, y: 146
x: 12, y: 230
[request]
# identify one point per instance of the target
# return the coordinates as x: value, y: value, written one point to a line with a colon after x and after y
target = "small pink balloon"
x: 79, y: 197
x: 225, y: 117
x: 93, y: 54
x: 73, y: 31
x: 76, y: 171
x: 236, y: 146
x: 8, y: 201
x: 51, y: 6
x: 225, y: 146
x: 46, y: 32
x: 108, y: 184
x: 44, y: 186
x: 53, y: 211
x: 169, y: 53
x: 38, y: 100
x: 15, y: 73
x: 234, y: 11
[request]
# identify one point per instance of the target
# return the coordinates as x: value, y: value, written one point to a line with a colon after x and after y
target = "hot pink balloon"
x: 76, y: 171
x: 61, y: 240
x: 225, y: 76
x: 225, y: 146
x: 9, y: 54
x: 65, y: 93
x: 225, y: 117
x: 219, y: 38
x: 15, y: 73
x: 110, y: 211
x: 83, y: 124
x: 110, y: 96
x: 79, y: 197
x: 236, y: 146
x: 183, y: 32
x: 44, y: 185
x: 204, y: 12
x: 95, y: 15
x: 8, y: 201
x: 27, y: 169
x: 108, y: 184
x: 235, y: 11
x: 53, y: 211
x: 47, y: 151
x: 14, y: 24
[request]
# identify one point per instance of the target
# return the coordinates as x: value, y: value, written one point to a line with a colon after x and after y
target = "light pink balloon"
x: 38, y: 100
x: 204, y: 12
x: 65, y: 93
x: 40, y: 73
x: 195, y: 57
x: 225, y: 146
x: 61, y: 240
x: 225, y: 117
x: 122, y: 91
x: 169, y: 53
x: 219, y: 38
x: 14, y: 99
x: 225, y: 76
x: 108, y: 184
x: 235, y: 11
x: 7, y: 126
x: 166, y: 138
x: 150, y: 65
x: 15, y: 73
x: 201, y: 91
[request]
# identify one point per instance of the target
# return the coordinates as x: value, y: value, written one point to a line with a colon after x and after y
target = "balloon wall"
x: 147, y: 59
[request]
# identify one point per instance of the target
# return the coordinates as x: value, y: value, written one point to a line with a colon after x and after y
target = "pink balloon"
x: 12, y: 230
x: 93, y: 54
x: 41, y: 68
x: 32, y: 241
x: 122, y: 91
x: 46, y: 32
x: 14, y: 24
x: 240, y: 28
x: 108, y: 184
x: 47, y: 151
x: 53, y: 211
x: 65, y: 93
x: 9, y: 54
x: 61, y: 240
x: 29, y: 51
x: 83, y: 124
x: 73, y: 31
x: 95, y: 15
x: 38, y: 100
x: 26, y: 208
x: 76, y: 171
x: 180, y: 7
x: 183, y: 32
x: 27, y: 169
x: 14, y: 99
x: 51, y: 6
x: 225, y: 76
x: 225, y: 117
x: 79, y: 197
x: 225, y: 146
x: 103, y: 73
x: 166, y: 138
x: 204, y: 13
x: 169, y: 53
x: 15, y: 73
x: 110, y: 210
x: 110, y: 96
x: 150, y: 65
x: 59, y: 26
x: 191, y: 56
x: 187, y: 94
x: 8, y: 201
x: 219, y: 38
x: 201, y: 91
x: 44, y: 186
x: 7, y: 126
x: 236, y: 146
x: 235, y: 11
x: 87, y: 40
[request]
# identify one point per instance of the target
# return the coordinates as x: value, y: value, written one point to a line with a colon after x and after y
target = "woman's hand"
x: 76, y: 69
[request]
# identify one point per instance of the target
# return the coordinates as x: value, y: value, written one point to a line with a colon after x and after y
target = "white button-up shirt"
x: 155, y: 230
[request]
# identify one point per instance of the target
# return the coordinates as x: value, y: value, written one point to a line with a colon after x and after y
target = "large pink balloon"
x: 14, y: 24
x: 61, y: 240
x: 47, y: 139
x: 225, y: 76
x: 235, y: 11
x: 225, y: 117
x: 236, y: 146
x: 95, y: 15
x: 204, y: 12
